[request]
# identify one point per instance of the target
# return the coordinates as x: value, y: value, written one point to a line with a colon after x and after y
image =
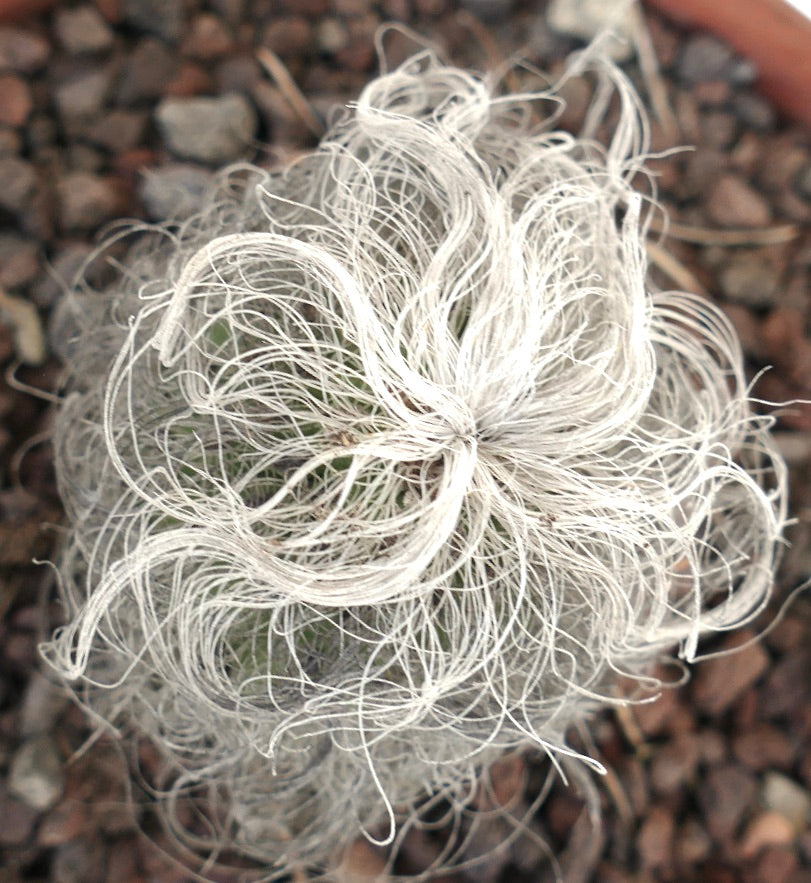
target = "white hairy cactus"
x: 382, y: 465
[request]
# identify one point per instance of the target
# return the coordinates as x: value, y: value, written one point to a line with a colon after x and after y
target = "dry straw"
x: 393, y: 461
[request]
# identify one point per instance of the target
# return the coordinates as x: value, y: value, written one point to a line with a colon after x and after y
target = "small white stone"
x: 586, y: 19
x: 36, y: 775
x: 787, y: 797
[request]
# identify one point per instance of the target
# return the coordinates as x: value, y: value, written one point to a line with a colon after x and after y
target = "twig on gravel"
x: 649, y: 67
x: 278, y: 72
x: 674, y: 269
x: 774, y: 235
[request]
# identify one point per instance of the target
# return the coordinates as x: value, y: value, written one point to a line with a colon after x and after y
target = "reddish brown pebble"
x: 15, y: 100
x: 734, y: 203
x: 776, y: 865
x: 693, y: 843
x: 208, y: 38
x: 725, y: 795
x: 18, y: 820
x: 189, y: 81
x: 64, y: 822
x: 655, y: 840
x: 712, y: 92
x: 674, y: 765
x: 721, y: 680
x: 110, y: 9
x: 763, y: 746
x: 288, y: 36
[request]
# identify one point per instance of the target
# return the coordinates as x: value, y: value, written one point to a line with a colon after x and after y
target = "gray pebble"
x: 803, y: 181
x: 754, y: 111
x: 36, y: 775
x: 164, y: 18
x: 489, y: 11
x: 82, y: 30
x: 18, y: 181
x: 148, y: 70
x: 87, y: 200
x: 209, y: 130
x: 119, y: 130
x: 704, y: 58
x: 174, y: 191
x: 61, y: 274
x: 22, y: 51
x: 19, y: 260
x: 750, y: 280
x: 43, y: 702
x: 83, y: 95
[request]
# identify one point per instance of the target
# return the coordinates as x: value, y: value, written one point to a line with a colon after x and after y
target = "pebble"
x: 732, y: 202
x: 175, y: 190
x: 768, y: 828
x: 231, y: 10
x: 43, y: 703
x: 82, y: 30
x: 704, y: 57
x: 87, y: 200
x: 11, y: 144
x: 19, y: 260
x: 803, y: 181
x: 78, y: 861
x: 209, y: 130
x: 22, y: 51
x: 725, y: 795
x: 208, y: 38
x: 654, y: 841
x: 82, y: 95
x: 777, y: 864
x: 290, y: 36
x: 489, y: 11
x: 66, y: 821
x: 331, y: 35
x: 754, y: 112
x: 149, y: 68
x: 585, y: 19
x: 239, y: 73
x: 191, y: 79
x: 36, y: 775
x: 283, y: 124
x: 702, y: 168
x: 163, y: 18
x: 18, y: 181
x: 674, y: 765
x: 15, y: 100
x: 750, y: 278
x: 18, y: 820
x: 763, y: 746
x: 720, y: 128
x: 63, y: 268
x: 721, y: 680
x: 693, y: 843
x: 747, y: 327
x: 787, y: 797
x: 119, y: 130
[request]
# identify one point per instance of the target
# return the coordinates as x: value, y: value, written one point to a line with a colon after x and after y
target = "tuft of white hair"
x: 393, y: 461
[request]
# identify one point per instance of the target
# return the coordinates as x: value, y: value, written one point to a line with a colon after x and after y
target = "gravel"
x: 209, y: 130
x: 125, y: 108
